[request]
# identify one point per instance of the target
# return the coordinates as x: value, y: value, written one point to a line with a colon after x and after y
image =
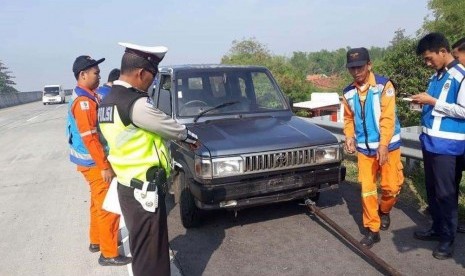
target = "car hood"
x: 259, y: 134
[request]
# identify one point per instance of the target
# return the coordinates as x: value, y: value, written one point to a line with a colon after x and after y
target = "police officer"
x: 135, y: 132
x: 442, y: 140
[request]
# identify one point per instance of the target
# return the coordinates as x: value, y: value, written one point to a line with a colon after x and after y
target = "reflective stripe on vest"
x: 375, y: 145
x: 443, y: 134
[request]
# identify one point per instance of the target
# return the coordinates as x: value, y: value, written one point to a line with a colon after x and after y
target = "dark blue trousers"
x: 442, y: 178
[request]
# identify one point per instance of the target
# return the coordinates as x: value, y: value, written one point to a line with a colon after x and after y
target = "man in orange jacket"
x: 87, y: 152
x: 372, y: 129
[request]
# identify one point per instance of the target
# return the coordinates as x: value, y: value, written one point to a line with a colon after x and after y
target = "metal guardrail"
x: 411, y: 147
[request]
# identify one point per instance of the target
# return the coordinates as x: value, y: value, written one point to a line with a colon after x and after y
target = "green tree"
x: 247, y: 51
x: 252, y: 52
x: 6, y: 82
x: 399, y: 36
x: 447, y: 17
x: 299, y: 61
x: 408, y: 73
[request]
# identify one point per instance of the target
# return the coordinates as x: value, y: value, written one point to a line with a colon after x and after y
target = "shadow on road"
x: 405, y: 242
x: 195, y: 248
x: 402, y: 238
x: 349, y: 193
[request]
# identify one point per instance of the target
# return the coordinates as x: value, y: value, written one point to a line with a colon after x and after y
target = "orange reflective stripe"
x: 88, y: 132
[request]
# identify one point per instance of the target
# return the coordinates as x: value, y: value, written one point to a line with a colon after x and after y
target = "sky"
x: 42, y: 38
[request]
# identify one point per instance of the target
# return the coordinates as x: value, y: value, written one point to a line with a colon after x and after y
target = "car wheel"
x: 190, y: 214
x: 44, y: 103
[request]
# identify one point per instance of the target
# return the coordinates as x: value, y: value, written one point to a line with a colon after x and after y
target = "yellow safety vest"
x: 132, y: 150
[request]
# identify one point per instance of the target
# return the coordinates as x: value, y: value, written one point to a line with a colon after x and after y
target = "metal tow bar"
x: 367, y: 252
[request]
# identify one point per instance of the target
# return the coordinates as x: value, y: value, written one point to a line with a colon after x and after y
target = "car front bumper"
x: 267, y: 189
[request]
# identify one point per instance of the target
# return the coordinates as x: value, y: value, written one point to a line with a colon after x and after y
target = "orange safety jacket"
x: 84, y: 111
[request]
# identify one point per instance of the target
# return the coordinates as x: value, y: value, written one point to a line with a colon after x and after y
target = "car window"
x: 242, y: 87
x: 217, y: 86
x: 268, y: 97
x: 200, y: 90
x: 195, y: 83
x: 51, y: 91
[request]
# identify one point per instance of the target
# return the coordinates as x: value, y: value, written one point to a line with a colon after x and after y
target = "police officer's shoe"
x: 94, y: 248
x: 116, y: 261
x: 385, y: 220
x: 428, y: 235
x: 370, y: 239
x: 444, y: 250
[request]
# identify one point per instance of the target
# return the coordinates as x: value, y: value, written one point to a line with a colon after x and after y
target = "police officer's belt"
x: 138, y: 184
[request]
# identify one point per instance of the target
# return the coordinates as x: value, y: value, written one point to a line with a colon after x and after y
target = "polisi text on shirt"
x: 105, y: 114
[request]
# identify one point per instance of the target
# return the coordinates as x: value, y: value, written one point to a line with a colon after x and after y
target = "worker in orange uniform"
x: 87, y: 152
x: 372, y: 129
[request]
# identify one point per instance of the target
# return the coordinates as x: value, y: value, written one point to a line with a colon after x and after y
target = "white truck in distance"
x: 53, y: 94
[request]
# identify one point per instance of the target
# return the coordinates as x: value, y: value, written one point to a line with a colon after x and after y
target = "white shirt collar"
x: 122, y: 83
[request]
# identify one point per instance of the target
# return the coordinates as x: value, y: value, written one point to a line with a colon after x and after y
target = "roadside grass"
x: 413, y: 191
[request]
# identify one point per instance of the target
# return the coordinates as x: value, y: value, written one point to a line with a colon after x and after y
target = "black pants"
x: 148, y: 235
x: 442, y: 178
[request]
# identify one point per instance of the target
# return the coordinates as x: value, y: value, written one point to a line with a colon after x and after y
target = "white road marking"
x: 125, y: 242
x: 30, y: 119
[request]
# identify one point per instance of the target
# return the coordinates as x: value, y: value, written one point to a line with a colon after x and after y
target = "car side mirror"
x: 166, y: 85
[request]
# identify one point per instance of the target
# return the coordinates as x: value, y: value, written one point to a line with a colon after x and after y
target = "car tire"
x: 190, y: 214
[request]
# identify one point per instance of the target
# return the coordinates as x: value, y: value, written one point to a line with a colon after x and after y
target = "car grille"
x: 278, y: 160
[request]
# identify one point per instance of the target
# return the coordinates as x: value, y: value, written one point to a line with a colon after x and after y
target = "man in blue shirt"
x: 442, y: 140
x: 103, y: 90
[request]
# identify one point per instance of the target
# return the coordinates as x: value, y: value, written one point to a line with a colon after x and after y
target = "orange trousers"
x: 392, y: 178
x: 103, y: 225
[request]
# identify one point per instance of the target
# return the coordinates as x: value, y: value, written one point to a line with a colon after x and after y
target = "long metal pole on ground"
x: 367, y: 252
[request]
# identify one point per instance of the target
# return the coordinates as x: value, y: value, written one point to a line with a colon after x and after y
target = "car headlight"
x: 327, y: 154
x: 218, y: 167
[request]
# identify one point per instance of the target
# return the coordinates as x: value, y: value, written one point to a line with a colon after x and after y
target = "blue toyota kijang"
x: 254, y: 151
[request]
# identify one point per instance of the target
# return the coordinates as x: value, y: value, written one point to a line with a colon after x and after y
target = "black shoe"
x: 428, y: 235
x: 385, y: 221
x: 118, y: 260
x: 444, y: 250
x: 370, y: 239
x: 94, y: 248
x: 461, y: 228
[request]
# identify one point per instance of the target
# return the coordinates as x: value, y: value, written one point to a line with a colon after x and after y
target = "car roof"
x: 169, y: 68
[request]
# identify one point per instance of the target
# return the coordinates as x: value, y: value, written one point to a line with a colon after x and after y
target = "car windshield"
x: 229, y: 91
x: 51, y: 91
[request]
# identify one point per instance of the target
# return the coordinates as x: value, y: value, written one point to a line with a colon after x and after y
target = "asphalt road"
x: 44, y: 215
